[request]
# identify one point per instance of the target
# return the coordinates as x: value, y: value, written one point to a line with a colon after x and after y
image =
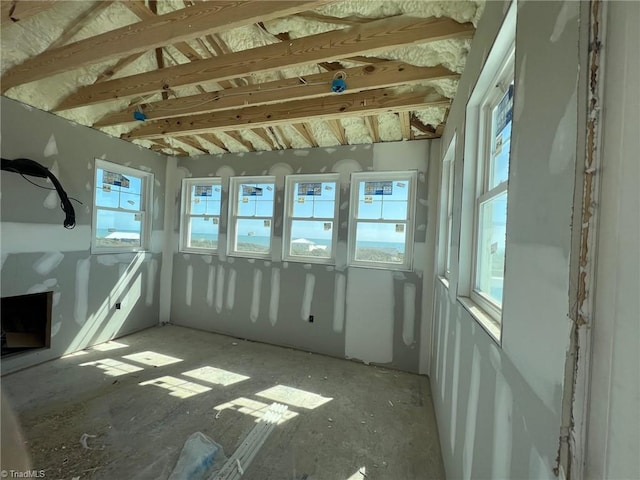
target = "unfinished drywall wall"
x: 499, y: 406
x: 614, y: 410
x: 375, y: 316
x: 39, y: 254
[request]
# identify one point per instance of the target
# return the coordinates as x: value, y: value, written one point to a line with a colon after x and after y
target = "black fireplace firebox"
x: 26, y: 322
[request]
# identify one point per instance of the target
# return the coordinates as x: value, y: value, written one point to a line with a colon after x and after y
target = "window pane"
x: 314, y: 199
x: 383, y: 200
x: 130, y: 201
x: 203, y: 232
x: 491, y: 247
x: 117, y: 229
x: 380, y: 242
x: 501, y: 139
x: 205, y: 200
x: 253, y: 235
x: 311, y: 238
x: 255, y: 199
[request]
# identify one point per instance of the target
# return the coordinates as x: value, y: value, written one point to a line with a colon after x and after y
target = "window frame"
x: 186, y: 215
x: 146, y: 196
x: 446, y: 207
x: 234, y: 183
x: 290, y: 181
x: 491, y: 98
x: 409, y: 176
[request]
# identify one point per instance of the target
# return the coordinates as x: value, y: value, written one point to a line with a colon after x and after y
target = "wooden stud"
x: 275, y: 138
x: 262, y: 133
x: 356, y: 104
x: 122, y: 63
x: 166, y: 145
x: 312, y: 86
x: 178, y: 26
x: 375, y: 36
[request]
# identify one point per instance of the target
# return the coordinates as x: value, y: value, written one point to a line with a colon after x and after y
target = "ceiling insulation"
x: 67, y: 24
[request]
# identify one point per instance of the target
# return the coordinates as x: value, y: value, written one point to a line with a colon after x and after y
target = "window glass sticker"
x: 310, y: 189
x: 115, y: 179
x: 378, y: 188
x: 203, y: 191
x: 251, y: 191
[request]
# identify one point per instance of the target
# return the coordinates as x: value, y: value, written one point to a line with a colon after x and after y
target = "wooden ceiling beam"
x: 192, y: 142
x: 211, y: 138
x: 426, y: 129
x: 12, y: 11
x: 372, y: 37
x: 355, y: 104
x: 164, y: 145
x: 122, y: 63
x: 283, y: 136
x: 79, y: 22
x: 305, y: 132
x: 351, y: 20
x: 374, y: 128
x: 178, y: 26
x: 272, y: 131
x: 312, y: 86
x: 241, y: 140
x: 405, y: 125
x: 262, y: 133
x: 338, y: 130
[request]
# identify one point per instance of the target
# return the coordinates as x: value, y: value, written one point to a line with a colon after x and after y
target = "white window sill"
x: 486, y: 321
x: 198, y: 251
x: 315, y: 260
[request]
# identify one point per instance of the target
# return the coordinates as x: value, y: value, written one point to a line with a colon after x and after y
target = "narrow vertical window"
x: 311, y: 217
x: 121, y: 220
x: 200, y: 226
x: 251, y: 216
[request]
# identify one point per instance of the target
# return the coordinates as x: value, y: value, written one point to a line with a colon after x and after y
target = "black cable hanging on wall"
x: 25, y: 166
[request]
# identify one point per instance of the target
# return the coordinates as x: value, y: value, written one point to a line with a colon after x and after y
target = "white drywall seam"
x: 307, y: 297
x: 275, y: 295
x: 220, y: 289
x: 189, y: 285
x: 82, y: 291
x: 231, y: 289
x: 409, y: 314
x: 168, y: 247
x: 210, y: 285
x: 339, y: 295
x: 255, y: 297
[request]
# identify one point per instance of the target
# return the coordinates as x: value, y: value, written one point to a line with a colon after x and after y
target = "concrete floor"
x: 353, y: 417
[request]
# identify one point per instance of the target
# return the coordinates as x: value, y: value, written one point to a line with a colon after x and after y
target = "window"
x: 122, y: 202
x: 251, y: 216
x: 488, y: 133
x: 446, y: 209
x: 382, y: 219
x: 201, y: 200
x: 311, y: 218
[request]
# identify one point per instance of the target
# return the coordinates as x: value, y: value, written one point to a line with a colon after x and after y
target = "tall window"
x: 311, y: 216
x: 201, y: 200
x: 382, y: 219
x: 122, y: 203
x: 446, y: 208
x: 491, y: 198
x: 251, y: 216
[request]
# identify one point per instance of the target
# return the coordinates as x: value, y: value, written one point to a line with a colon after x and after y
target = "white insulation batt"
x: 24, y: 39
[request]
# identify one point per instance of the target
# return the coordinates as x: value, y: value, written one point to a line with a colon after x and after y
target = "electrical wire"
x: 43, y: 187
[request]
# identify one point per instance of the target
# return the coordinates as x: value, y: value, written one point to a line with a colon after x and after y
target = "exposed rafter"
x: 374, y: 36
x: 80, y: 22
x: 211, y: 138
x: 306, y: 133
x: 240, y: 139
x: 12, y: 11
x: 364, y: 103
x: 178, y: 26
x: 338, y: 130
x: 373, y: 127
x: 312, y: 86
x: 405, y: 125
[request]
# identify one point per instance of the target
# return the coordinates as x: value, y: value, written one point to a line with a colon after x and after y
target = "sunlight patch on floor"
x: 215, y: 375
x: 294, y: 396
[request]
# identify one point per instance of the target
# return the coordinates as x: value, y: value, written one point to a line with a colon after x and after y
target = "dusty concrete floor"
x: 353, y: 418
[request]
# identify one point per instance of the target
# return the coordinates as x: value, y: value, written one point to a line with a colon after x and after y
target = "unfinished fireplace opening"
x: 26, y: 322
